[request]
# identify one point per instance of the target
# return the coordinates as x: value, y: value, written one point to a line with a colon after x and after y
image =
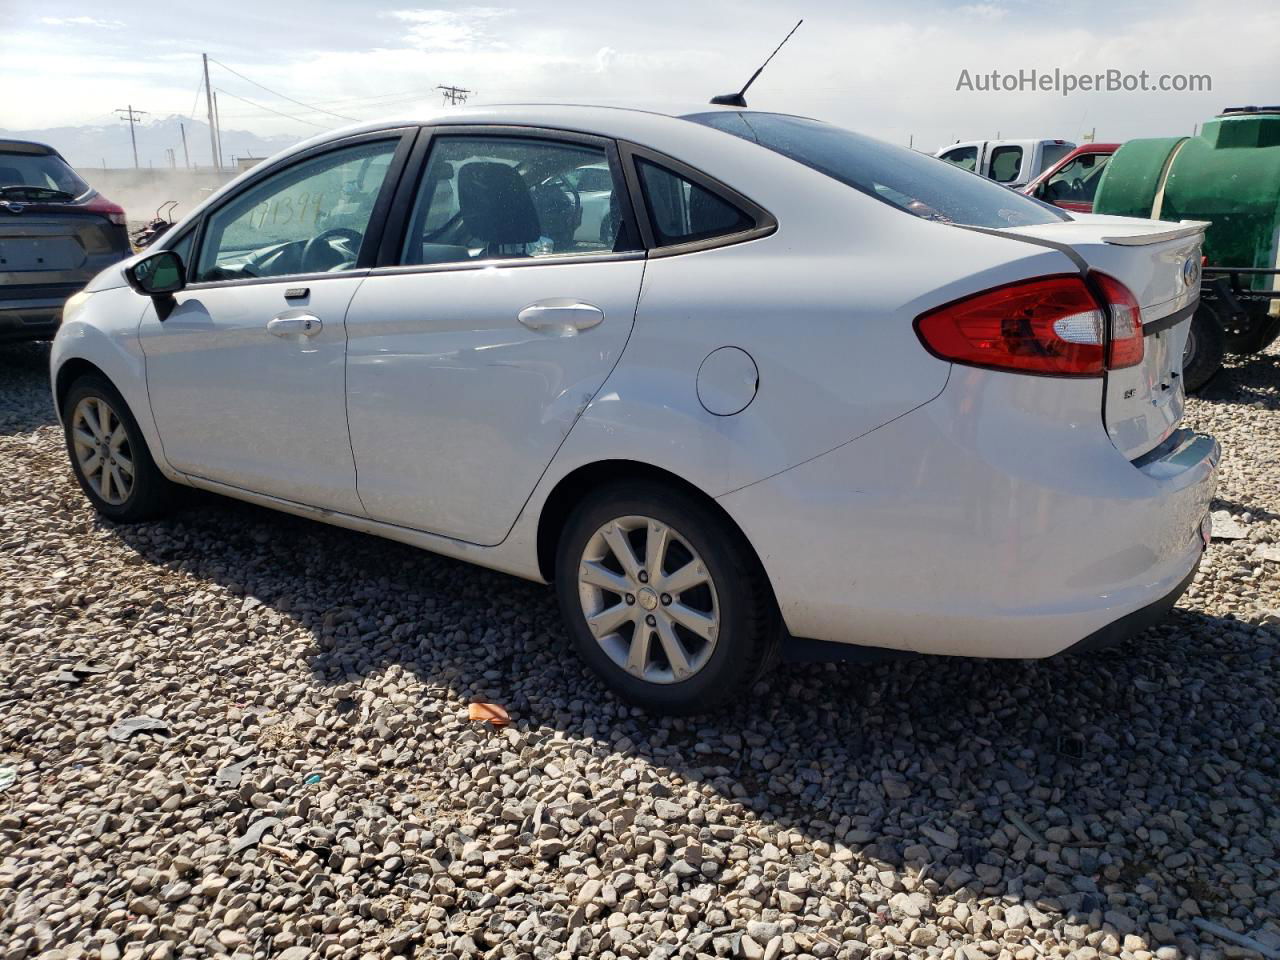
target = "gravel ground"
x: 237, y: 733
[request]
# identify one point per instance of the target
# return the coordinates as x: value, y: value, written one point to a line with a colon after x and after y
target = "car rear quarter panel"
x: 825, y: 309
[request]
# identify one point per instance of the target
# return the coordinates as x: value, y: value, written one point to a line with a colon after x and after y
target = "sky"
x: 887, y: 69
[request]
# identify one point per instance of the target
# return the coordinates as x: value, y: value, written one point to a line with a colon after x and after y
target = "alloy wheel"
x: 1189, y: 348
x: 103, y: 455
x: 649, y: 599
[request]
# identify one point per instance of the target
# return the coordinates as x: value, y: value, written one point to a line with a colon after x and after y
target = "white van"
x: 1013, y: 163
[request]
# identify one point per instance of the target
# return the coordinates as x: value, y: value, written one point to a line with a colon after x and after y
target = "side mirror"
x: 158, y: 275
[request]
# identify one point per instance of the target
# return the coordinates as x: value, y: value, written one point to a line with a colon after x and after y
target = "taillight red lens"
x: 101, y: 205
x: 1051, y: 326
x: 1126, y: 323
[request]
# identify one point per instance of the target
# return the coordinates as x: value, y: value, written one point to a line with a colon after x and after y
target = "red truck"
x: 1072, y: 181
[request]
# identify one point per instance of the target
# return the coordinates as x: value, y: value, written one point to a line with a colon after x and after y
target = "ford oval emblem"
x: 1190, y: 271
x: 13, y: 207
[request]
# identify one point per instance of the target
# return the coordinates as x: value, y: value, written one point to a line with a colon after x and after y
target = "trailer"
x: 1229, y: 175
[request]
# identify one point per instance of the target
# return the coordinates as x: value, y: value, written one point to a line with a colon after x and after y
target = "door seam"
x: 346, y: 394
x: 635, y: 319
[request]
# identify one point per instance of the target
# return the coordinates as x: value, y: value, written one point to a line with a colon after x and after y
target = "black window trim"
x: 377, y: 219
x: 765, y: 222
x: 1022, y: 156
x: 390, y: 252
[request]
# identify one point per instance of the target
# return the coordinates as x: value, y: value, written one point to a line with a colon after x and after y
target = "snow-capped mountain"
x: 90, y: 147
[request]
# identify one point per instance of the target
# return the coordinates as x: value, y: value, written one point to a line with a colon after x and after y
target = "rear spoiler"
x: 1185, y: 228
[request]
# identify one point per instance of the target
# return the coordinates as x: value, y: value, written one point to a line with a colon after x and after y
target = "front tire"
x: 664, y: 598
x: 109, y: 456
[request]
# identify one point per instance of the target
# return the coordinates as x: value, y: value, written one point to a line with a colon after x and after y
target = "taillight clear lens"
x: 1050, y: 325
x: 1126, y: 323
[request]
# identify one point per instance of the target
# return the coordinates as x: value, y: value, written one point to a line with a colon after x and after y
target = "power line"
x: 379, y: 96
x: 287, y: 116
x: 191, y: 114
x: 279, y: 94
x: 386, y: 101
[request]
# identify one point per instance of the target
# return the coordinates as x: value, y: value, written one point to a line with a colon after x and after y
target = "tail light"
x: 101, y: 205
x: 1052, y: 326
x: 1126, y: 323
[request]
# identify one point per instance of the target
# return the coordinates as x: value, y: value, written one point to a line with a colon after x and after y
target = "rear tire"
x: 109, y: 456
x: 686, y: 637
x: 1202, y: 358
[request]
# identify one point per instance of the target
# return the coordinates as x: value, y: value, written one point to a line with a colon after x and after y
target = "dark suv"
x: 56, y: 233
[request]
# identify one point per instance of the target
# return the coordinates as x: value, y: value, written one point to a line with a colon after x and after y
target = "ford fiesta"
x: 736, y: 383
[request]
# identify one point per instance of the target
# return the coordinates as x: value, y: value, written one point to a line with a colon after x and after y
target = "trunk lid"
x: 1160, y: 264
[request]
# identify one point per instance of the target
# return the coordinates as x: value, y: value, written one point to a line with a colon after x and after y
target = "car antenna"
x: 739, y: 99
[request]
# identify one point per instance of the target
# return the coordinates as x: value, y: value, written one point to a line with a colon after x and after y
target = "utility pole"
x: 217, y: 122
x: 213, y: 130
x: 455, y: 95
x: 132, y: 115
x: 186, y: 157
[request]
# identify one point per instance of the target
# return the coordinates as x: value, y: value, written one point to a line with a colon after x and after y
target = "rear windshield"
x: 44, y: 171
x: 911, y: 181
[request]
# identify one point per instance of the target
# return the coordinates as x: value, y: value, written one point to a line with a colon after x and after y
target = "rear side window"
x: 42, y: 172
x: 966, y: 158
x: 1053, y: 152
x: 683, y: 212
x: 1005, y: 164
x: 922, y: 185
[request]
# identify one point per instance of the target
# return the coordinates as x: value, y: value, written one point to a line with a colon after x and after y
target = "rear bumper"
x: 996, y: 521
x: 1132, y: 624
x: 34, y: 319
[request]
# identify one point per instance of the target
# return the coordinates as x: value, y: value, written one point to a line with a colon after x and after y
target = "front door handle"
x: 560, y: 316
x: 294, y: 324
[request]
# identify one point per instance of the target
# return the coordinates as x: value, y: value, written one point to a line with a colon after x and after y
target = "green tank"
x: 1229, y: 175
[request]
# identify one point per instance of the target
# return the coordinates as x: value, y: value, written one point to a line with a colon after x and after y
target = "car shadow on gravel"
x: 1248, y: 380
x: 24, y: 372
x: 1133, y: 766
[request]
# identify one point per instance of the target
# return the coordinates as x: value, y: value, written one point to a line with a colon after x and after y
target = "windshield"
x: 41, y: 172
x: 912, y: 181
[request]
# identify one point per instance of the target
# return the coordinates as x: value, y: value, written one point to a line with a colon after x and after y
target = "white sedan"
x: 799, y: 393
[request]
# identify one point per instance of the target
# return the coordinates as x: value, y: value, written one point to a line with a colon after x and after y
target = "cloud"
x: 82, y: 22
x: 983, y: 11
x: 451, y: 30
x: 606, y: 57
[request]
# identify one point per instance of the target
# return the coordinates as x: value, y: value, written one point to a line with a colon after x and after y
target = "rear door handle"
x: 294, y: 324
x: 560, y: 316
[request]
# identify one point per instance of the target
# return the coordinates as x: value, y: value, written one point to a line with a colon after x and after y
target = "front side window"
x: 309, y: 218
x: 922, y: 185
x: 1005, y: 164
x: 683, y: 212
x: 966, y: 158
x: 1076, y: 182
x: 492, y: 198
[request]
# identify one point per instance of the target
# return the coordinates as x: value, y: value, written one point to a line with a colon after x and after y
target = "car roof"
x: 609, y: 121
x: 27, y: 146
